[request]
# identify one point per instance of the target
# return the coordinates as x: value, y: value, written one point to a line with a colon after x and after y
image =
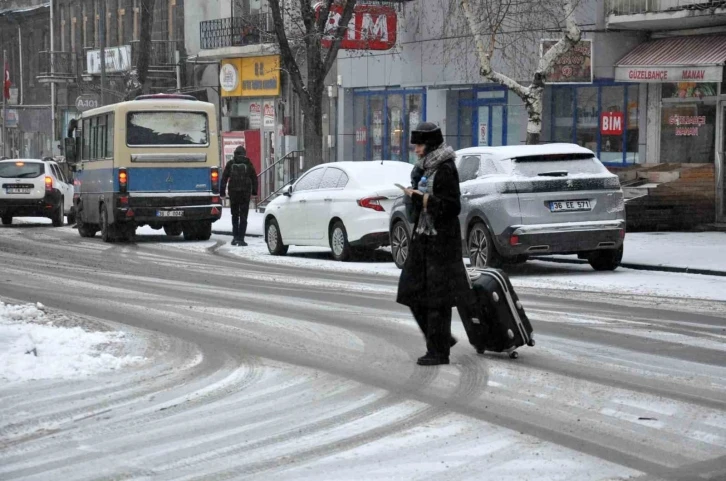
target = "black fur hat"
x: 427, y: 133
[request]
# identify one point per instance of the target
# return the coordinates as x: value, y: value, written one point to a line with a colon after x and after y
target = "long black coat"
x: 434, y: 275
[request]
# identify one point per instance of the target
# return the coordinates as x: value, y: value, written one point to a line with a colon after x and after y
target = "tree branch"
x: 288, y: 57
x: 485, y: 57
x: 338, y: 38
x: 572, y: 36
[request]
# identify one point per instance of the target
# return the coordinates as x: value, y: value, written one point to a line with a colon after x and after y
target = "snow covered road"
x: 258, y: 370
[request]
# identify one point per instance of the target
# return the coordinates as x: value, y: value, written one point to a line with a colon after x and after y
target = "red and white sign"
x: 669, y: 74
x: 372, y: 27
x: 483, y: 135
x: 612, y: 123
x: 230, y: 141
x: 269, y: 116
x: 255, y: 115
x: 361, y: 135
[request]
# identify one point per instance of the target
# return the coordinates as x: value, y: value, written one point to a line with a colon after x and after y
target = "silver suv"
x: 520, y: 201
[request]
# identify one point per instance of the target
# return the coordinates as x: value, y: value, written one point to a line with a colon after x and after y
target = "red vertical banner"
x: 6, y: 82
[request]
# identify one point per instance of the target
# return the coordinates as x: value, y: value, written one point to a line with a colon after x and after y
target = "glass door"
x: 488, y: 126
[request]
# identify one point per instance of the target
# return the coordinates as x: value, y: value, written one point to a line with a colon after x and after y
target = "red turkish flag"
x: 7, y: 83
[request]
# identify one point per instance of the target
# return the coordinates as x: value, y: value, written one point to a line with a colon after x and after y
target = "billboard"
x: 574, y: 67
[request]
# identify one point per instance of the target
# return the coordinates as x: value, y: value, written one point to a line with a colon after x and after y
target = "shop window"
x: 375, y: 134
x: 613, y: 99
x: 491, y: 94
x: 688, y: 132
x: 563, y: 114
x: 465, y: 127
x: 414, y: 111
x: 516, y: 120
x: 689, y: 90
x: 588, y: 120
x: 360, y: 122
x: 632, y: 136
x: 395, y: 127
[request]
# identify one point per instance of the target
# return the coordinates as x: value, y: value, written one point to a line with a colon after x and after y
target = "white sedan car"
x: 342, y: 205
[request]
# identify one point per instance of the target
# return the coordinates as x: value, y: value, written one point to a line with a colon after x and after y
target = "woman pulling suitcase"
x: 434, y: 278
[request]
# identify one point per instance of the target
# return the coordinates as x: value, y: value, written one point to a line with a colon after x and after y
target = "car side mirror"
x: 288, y: 192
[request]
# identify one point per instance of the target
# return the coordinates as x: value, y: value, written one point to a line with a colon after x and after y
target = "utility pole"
x: 52, y: 77
x: 5, y: 133
x: 102, y: 40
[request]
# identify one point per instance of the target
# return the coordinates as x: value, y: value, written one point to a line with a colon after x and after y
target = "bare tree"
x: 303, y: 33
x: 137, y: 82
x: 496, y: 22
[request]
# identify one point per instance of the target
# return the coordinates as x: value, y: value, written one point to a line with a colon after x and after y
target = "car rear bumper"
x: 152, y: 209
x: 376, y: 239
x: 41, y: 207
x: 151, y: 215
x: 567, y: 238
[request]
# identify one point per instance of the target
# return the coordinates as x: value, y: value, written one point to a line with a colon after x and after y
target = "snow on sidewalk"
x: 694, y: 250
x: 33, y: 347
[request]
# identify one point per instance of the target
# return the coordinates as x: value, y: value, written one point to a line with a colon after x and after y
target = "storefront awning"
x: 680, y: 59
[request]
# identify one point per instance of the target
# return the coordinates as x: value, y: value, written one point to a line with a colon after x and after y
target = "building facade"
x: 74, y: 54
x: 644, y: 87
x: 236, y: 57
x: 25, y: 31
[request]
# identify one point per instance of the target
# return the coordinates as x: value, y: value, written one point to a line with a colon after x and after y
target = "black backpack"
x: 239, y: 178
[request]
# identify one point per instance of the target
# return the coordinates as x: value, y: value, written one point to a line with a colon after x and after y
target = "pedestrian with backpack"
x: 239, y: 183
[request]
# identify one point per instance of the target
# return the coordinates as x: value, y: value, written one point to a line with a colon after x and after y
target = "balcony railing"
x: 237, y: 31
x: 634, y: 7
x: 162, y: 57
x: 57, y: 66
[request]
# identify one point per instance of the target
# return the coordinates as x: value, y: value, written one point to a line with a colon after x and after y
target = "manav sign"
x: 669, y: 74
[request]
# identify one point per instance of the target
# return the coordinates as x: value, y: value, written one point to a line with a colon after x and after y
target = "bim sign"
x: 611, y: 123
x: 371, y: 27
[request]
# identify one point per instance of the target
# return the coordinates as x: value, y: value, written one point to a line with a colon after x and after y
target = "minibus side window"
x: 109, y: 136
x: 86, y: 133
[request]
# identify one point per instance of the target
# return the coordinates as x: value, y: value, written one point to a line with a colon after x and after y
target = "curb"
x: 640, y: 267
x: 559, y: 260
x: 221, y: 232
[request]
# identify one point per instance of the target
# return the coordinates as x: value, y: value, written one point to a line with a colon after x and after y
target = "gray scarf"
x: 430, y: 164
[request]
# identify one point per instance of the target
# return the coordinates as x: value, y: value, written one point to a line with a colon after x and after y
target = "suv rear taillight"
x: 214, y: 178
x: 372, y: 203
x: 49, y: 183
x: 123, y: 180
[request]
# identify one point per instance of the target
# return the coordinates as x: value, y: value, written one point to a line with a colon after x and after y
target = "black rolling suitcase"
x: 496, y: 320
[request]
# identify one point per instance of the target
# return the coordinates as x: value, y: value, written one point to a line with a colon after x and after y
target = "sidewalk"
x: 688, y: 252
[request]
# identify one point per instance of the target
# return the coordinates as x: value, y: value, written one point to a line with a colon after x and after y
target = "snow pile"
x: 32, y: 347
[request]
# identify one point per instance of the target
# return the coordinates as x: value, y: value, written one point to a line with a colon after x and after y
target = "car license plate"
x: 15, y: 190
x: 569, y: 205
x: 169, y: 213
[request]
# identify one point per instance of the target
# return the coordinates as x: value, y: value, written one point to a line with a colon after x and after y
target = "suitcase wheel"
x: 514, y: 355
x: 480, y: 350
x: 531, y: 342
